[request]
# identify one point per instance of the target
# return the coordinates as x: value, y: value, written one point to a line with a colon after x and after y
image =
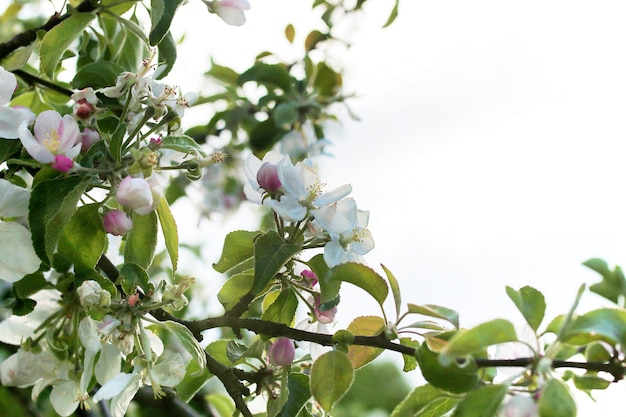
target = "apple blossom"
x: 282, y: 352
x: 252, y: 189
x: 230, y: 11
x: 54, y: 135
x: 139, y: 194
x: 17, y: 256
x: 91, y: 294
x: 88, y: 137
x: 303, y: 191
x: 117, y: 222
x: 350, y: 245
x: 86, y: 101
x: 11, y: 117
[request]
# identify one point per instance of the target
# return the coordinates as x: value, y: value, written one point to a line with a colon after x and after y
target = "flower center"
x: 52, y: 141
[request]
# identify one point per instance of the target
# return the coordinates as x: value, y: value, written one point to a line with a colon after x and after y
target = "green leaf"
x: 30, y: 285
x: 290, y: 33
x: 613, y: 284
x: 285, y: 114
x: 8, y: 147
x: 604, y: 324
x: 223, y: 74
x: 133, y: 276
x: 393, y: 15
x: 331, y: 377
x: 97, y: 75
x: 83, y: 239
x: 313, y: 38
x: 421, y: 400
x: 283, y: 309
x: 530, y: 303
x: 299, y: 394
x: 483, y: 402
x: 270, y: 75
x: 327, y: 80
x: 588, y: 383
x: 59, y: 38
x: 364, y: 326
x: 19, y: 57
x: 556, y: 400
x: 410, y: 362
x: 354, y: 273
x: 234, y: 288
x: 180, y: 143
x: 271, y: 253
x: 187, y: 341
x: 195, y: 378
x: 141, y: 240
x: 52, y: 204
x: 395, y: 289
x: 238, y: 248
x: 439, y: 312
x: 479, y: 337
x: 167, y: 56
x: 221, y: 404
x: 117, y: 140
x: 170, y: 231
x: 162, y: 13
x: 451, y: 377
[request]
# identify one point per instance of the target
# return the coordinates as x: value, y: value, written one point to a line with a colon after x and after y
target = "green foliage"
x: 357, y: 274
x: 83, y: 239
x: 556, y: 400
x: 170, y: 231
x: 424, y: 401
x: 530, y: 303
x: 452, y: 377
x: 331, y: 377
x: 271, y: 253
x: 484, y: 335
x: 141, y: 240
x: 238, y: 248
x: 59, y: 38
x: 484, y: 401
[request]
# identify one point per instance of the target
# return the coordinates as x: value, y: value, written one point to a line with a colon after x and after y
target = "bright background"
x: 490, y: 152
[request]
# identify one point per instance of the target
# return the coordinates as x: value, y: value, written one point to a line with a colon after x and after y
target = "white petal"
x: 13, y: 200
x: 88, y: 334
x: 338, y: 217
x: 233, y: 17
x: 8, y: 83
x: 10, y: 121
x: 288, y: 208
x: 120, y: 403
x: 113, y: 387
x: 334, y: 254
x: 15, y: 329
x: 63, y: 398
x: 17, y: 256
x: 109, y: 364
x: 333, y: 195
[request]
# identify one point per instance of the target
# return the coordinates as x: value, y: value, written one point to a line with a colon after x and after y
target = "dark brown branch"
x: 27, y: 37
x: 31, y: 79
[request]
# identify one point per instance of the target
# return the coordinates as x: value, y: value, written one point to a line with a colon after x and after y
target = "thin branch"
x: 32, y: 79
x: 29, y: 36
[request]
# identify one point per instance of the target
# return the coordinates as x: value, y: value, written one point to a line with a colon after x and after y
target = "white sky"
x: 491, y: 146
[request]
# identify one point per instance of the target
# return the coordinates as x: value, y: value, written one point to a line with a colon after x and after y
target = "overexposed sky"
x: 491, y: 147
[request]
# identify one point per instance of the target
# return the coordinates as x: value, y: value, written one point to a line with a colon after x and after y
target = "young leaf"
x: 238, y: 248
x: 59, y: 38
x: 395, y: 289
x: 354, y: 273
x: 133, y: 277
x: 605, y: 324
x: 170, y: 231
x: 271, y: 253
x: 52, y: 204
x: 141, y: 240
x: 283, y: 309
x: 479, y: 337
x: 234, y: 288
x: 556, y: 400
x: 299, y: 394
x: 187, y: 341
x: 83, y: 239
x: 436, y: 311
x: 452, y: 377
x: 331, y: 377
x: 364, y: 326
x: 180, y: 143
x: 420, y: 401
x: 483, y: 402
x: 613, y: 284
x: 530, y: 303
x: 162, y: 13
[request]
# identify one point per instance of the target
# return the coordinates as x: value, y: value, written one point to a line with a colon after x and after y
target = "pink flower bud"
x: 267, y: 177
x: 310, y: 277
x: 282, y: 352
x: 83, y: 109
x: 62, y: 163
x: 325, y: 317
x: 139, y: 194
x: 88, y: 137
x: 117, y: 223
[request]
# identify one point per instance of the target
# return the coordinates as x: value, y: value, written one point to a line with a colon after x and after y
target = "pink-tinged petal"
x: 8, y: 84
x: 117, y: 223
x: 232, y: 11
x: 69, y: 134
x: 34, y: 148
x: 62, y: 163
x: 48, y: 120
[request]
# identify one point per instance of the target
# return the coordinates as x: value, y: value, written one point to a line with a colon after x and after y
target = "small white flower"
x: 11, y: 117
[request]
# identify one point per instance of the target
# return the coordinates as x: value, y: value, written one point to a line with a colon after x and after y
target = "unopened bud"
x: 62, y: 163
x: 267, y: 177
x: 282, y: 352
x: 117, y: 223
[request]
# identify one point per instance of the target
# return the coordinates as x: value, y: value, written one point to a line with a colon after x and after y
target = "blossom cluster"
x: 296, y: 194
